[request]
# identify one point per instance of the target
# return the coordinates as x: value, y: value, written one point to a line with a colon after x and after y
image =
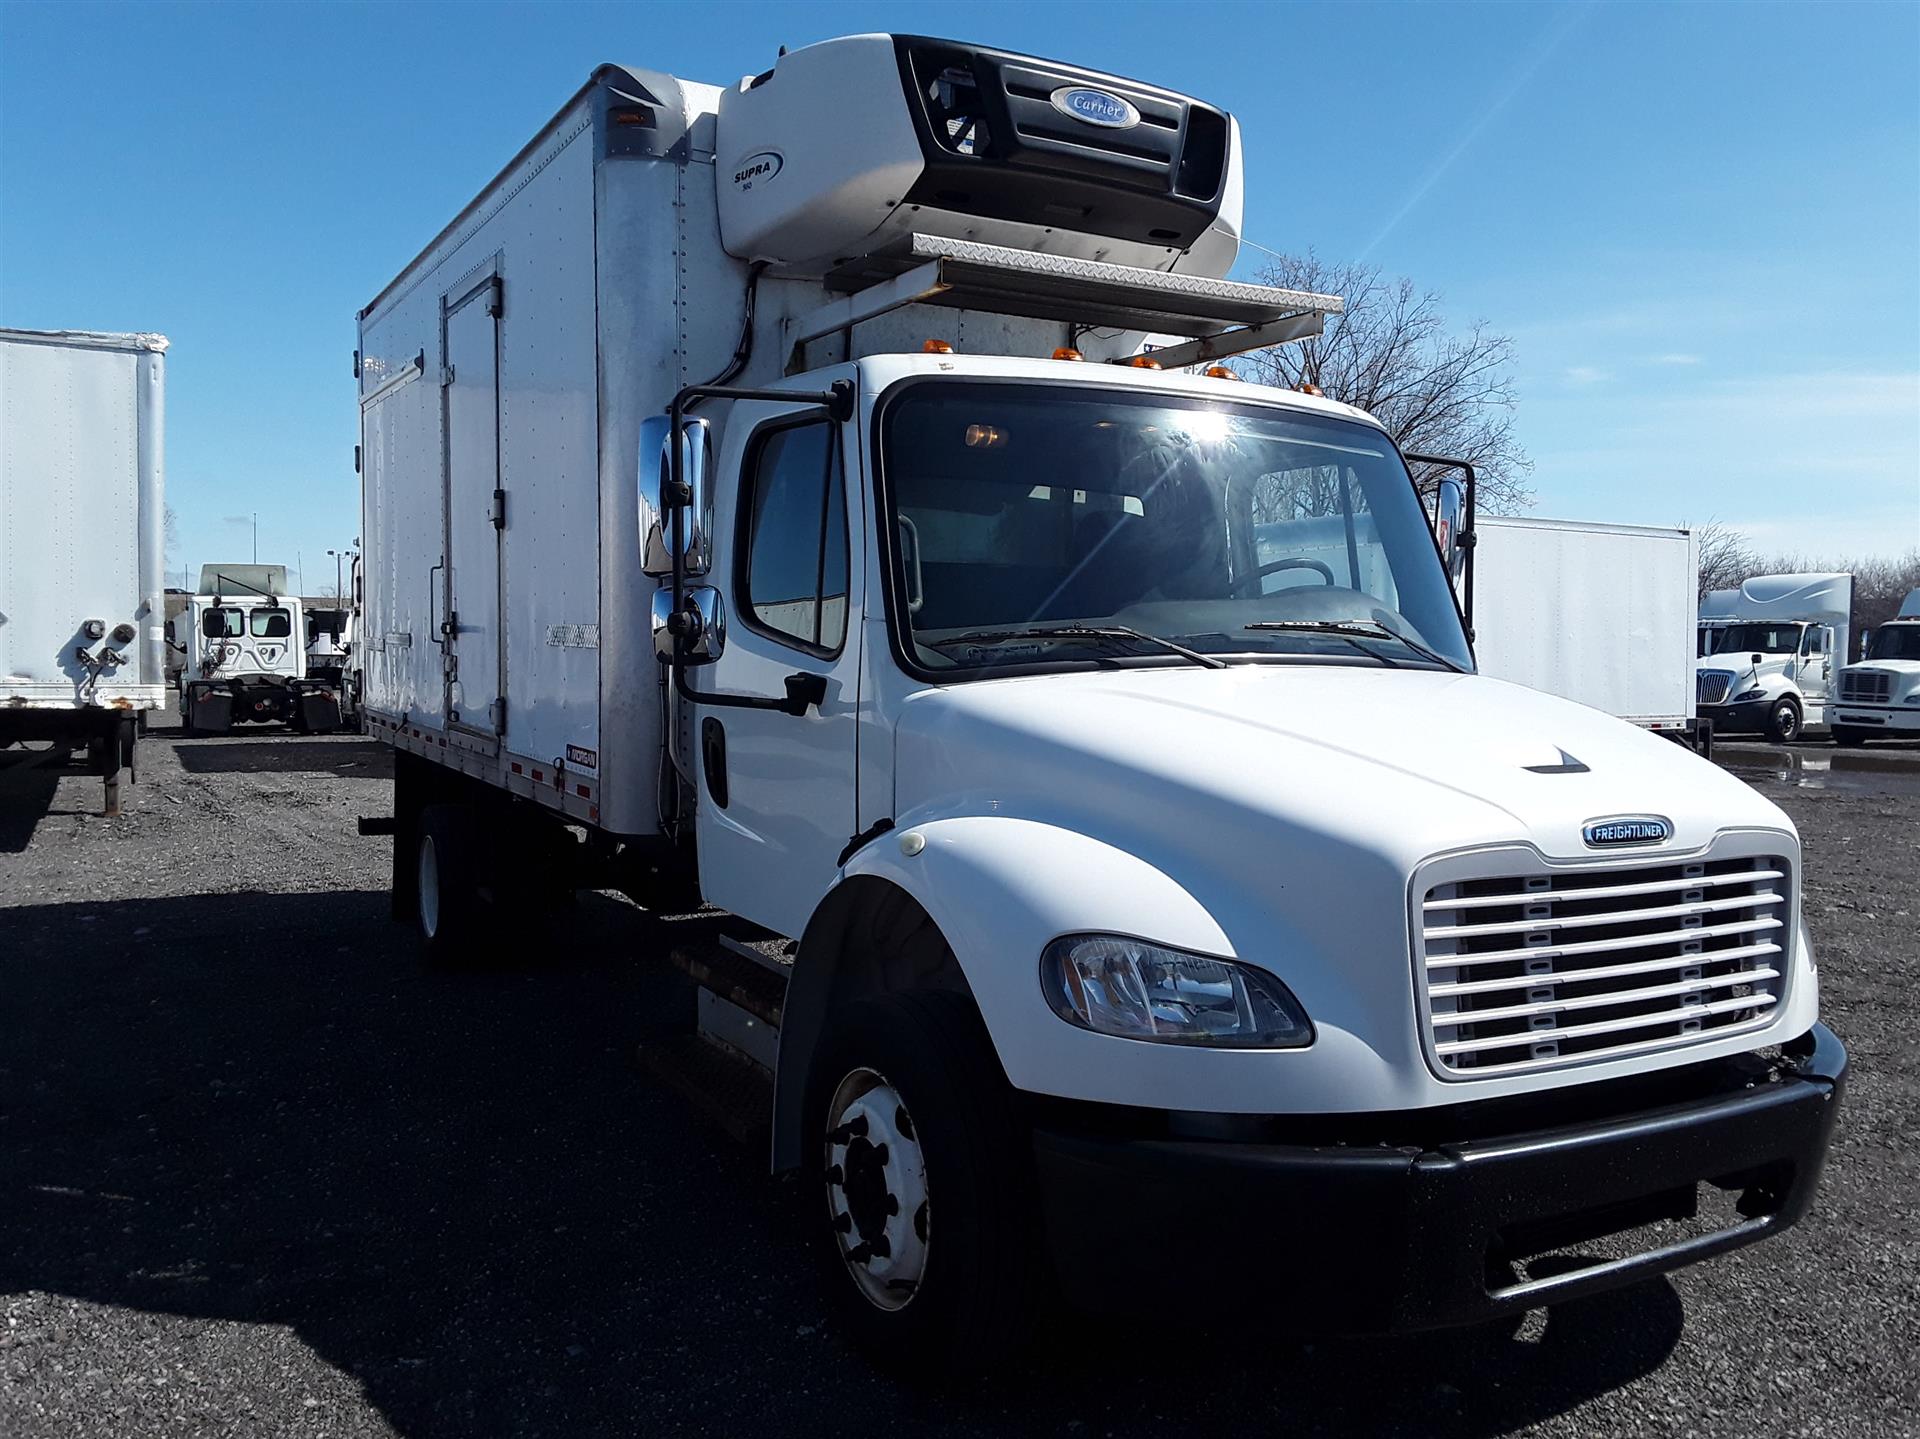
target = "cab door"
x: 777, y: 791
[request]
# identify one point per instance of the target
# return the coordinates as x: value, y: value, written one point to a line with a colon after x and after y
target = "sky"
x: 1700, y: 224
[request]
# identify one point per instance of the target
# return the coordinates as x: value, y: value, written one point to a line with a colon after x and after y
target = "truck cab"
x: 1774, y: 653
x: 1879, y: 698
x: 244, y: 660
x: 1068, y: 760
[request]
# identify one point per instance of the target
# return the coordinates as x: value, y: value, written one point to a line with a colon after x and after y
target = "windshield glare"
x: 1024, y: 506
x: 1761, y: 639
x: 1894, y: 642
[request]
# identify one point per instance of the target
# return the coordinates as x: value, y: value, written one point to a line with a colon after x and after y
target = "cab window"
x: 222, y: 622
x: 795, y: 532
x: 271, y: 623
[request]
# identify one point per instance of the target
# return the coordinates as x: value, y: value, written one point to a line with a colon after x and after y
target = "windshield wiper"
x: 1346, y: 631
x: 1080, y: 632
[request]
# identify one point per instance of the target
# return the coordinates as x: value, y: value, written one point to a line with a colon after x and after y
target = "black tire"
x: 447, y: 870
x: 1849, y: 735
x: 1783, y: 721
x: 985, y: 1271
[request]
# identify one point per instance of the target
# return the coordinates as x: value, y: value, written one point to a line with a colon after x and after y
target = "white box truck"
x: 1777, y: 644
x: 82, y: 520
x: 1600, y: 614
x: 767, y: 506
x: 1880, y: 696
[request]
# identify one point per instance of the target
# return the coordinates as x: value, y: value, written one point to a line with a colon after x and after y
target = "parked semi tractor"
x: 1599, y: 614
x: 767, y: 506
x: 82, y: 521
x: 243, y: 643
x: 1778, y: 642
x: 1880, y: 696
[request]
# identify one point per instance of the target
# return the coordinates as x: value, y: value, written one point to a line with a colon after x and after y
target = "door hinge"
x: 496, y: 297
x: 446, y: 376
x: 450, y: 626
x: 499, y: 514
x: 356, y: 459
x: 356, y: 364
x: 499, y: 711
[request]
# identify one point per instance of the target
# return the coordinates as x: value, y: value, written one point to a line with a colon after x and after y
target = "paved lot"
x: 262, y: 1174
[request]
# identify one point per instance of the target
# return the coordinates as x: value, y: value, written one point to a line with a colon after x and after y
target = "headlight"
x: 1127, y: 987
x: 1752, y: 694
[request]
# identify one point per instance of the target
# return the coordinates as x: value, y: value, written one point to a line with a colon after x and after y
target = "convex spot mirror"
x: 1449, y: 512
x: 702, y: 619
x: 667, y: 528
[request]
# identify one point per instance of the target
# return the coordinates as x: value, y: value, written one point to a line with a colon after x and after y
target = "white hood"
x: 1401, y: 764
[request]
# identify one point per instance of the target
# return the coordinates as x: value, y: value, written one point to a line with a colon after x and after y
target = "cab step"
x: 727, y: 1088
x: 748, y: 969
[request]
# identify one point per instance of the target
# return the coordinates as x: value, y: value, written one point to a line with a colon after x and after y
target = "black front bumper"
x: 1738, y: 719
x: 1382, y: 1237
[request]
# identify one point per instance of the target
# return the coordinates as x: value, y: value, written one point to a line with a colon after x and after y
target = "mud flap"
x: 212, y: 711
x: 318, y: 711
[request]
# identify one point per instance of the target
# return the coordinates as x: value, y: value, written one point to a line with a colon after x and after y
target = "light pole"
x: 336, y: 574
x: 256, y: 537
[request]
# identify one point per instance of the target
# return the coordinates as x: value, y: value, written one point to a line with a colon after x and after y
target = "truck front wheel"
x: 929, y: 1232
x: 1783, y: 721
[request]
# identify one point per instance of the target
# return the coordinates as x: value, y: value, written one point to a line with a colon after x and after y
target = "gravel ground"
x: 262, y: 1174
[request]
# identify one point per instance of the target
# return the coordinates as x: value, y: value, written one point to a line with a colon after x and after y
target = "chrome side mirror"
x: 696, y: 468
x: 653, y: 477
x: 1449, y: 511
x: 702, y: 620
x: 666, y: 527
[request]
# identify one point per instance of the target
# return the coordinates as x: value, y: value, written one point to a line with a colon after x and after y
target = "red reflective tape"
x: 517, y: 769
x: 538, y: 776
x: 580, y: 790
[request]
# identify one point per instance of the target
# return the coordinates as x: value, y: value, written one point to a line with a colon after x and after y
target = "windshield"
x: 1105, y: 524
x: 1762, y: 639
x: 1894, y: 642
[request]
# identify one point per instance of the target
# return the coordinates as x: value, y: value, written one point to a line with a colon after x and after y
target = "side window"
x: 794, y: 525
x: 271, y: 624
x: 1816, y: 641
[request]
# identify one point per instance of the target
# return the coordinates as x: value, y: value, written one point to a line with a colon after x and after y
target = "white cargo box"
x: 81, y: 521
x: 1599, y: 614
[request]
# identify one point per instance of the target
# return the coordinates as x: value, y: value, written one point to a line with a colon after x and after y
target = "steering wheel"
x: 1296, y: 563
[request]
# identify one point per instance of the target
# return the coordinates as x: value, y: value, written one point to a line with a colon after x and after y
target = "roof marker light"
x: 1220, y: 372
x: 1067, y: 352
x: 1307, y: 387
x: 936, y: 347
x: 1143, y: 362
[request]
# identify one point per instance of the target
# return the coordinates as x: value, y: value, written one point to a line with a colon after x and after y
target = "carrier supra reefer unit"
x: 82, y: 515
x: 1069, y: 760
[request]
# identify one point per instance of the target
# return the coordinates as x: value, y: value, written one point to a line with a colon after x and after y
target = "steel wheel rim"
x: 429, y: 885
x: 877, y: 1189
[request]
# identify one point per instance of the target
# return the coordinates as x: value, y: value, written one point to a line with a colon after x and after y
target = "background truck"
x: 1879, y: 698
x: 1599, y: 614
x: 243, y: 642
x: 82, y: 520
x: 1778, y: 642
x: 767, y: 506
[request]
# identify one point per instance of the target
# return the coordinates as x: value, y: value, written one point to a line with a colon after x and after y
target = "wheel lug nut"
x: 843, y: 1223
x: 879, y: 1154
x: 835, y: 1176
x: 893, y: 1205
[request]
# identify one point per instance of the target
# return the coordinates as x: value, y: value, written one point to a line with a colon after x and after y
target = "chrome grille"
x: 1866, y: 686
x: 1526, y: 972
x: 1713, y: 686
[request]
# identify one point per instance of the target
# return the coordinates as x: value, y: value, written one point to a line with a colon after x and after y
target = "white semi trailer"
x: 82, y: 521
x: 1879, y: 698
x: 1600, y: 614
x: 1774, y: 653
x: 767, y: 506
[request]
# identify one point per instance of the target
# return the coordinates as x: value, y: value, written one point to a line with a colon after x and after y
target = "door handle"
x: 433, y: 604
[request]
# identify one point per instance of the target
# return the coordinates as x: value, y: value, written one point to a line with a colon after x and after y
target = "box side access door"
x: 471, y: 636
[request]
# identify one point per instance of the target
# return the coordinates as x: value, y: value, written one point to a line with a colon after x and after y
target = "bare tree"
x: 1725, y: 557
x: 1438, y: 391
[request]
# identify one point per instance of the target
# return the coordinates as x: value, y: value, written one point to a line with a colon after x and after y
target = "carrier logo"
x: 1627, y: 829
x: 757, y: 170
x: 1096, y: 107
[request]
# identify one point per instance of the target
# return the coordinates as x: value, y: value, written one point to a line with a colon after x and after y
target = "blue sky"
x: 1700, y: 224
